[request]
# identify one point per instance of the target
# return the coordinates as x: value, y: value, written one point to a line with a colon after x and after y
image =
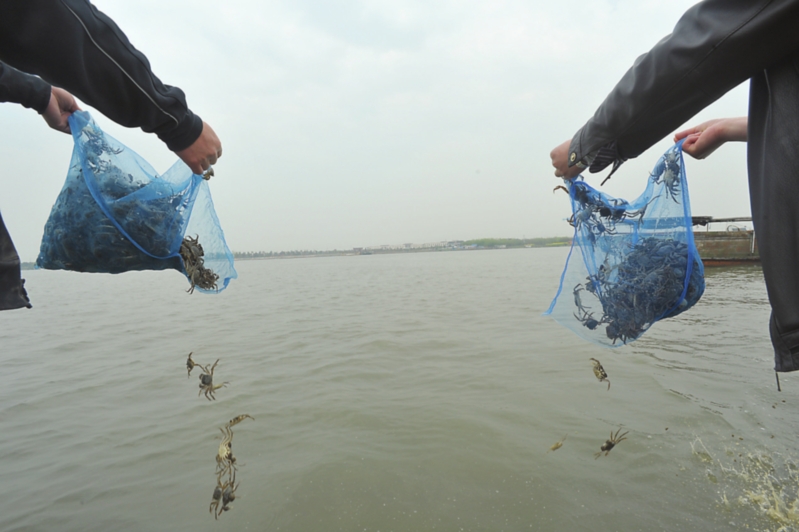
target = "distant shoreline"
x: 455, y: 245
x: 353, y: 254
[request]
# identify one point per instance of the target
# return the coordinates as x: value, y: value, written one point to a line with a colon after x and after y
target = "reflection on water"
x: 390, y: 392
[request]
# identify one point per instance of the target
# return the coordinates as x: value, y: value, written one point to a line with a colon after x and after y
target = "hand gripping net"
x: 116, y: 214
x: 631, y: 263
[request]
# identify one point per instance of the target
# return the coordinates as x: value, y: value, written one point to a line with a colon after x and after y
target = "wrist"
x: 736, y: 129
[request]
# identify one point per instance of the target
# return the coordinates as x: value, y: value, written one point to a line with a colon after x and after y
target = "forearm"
x: 702, y: 140
x: 72, y: 45
x: 715, y: 46
x: 736, y: 129
x: 18, y: 87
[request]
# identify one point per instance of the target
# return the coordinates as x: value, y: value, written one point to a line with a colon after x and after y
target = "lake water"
x: 400, y: 392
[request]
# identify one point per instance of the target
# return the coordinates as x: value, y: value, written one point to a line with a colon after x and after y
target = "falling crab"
x: 238, y: 419
x: 558, y: 444
x: 614, y: 440
x: 225, y: 461
x: 190, y: 365
x: 600, y: 372
x: 215, y: 498
x: 228, y: 494
x: 207, y: 383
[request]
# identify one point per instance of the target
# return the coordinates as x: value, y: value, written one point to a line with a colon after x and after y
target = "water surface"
x: 390, y: 392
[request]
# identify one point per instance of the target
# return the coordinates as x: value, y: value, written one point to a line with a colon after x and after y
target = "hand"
x: 704, y: 139
x: 62, y: 104
x: 204, y: 152
x: 560, y: 160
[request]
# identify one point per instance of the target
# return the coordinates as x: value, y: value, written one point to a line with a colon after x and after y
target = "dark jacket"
x: 27, y: 90
x: 716, y: 45
x: 72, y: 45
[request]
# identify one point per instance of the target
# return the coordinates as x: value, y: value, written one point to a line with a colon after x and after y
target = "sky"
x: 355, y: 123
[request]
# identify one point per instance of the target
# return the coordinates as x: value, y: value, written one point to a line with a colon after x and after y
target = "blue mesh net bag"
x: 116, y: 214
x: 631, y: 264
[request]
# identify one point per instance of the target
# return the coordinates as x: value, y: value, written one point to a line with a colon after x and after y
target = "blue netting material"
x: 116, y: 214
x: 631, y: 264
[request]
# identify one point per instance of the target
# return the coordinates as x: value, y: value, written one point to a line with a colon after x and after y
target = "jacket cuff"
x: 184, y: 135
x: 597, y: 160
x: 22, y: 88
x: 580, y: 155
x: 605, y: 156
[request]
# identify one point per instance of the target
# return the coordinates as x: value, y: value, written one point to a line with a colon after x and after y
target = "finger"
x: 692, y: 139
x: 682, y: 134
x: 694, y: 147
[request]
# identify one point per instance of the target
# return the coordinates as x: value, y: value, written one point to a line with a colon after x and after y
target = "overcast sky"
x: 351, y: 123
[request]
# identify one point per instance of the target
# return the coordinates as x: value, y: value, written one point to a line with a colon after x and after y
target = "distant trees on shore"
x: 480, y: 243
x: 276, y: 254
x: 518, y: 242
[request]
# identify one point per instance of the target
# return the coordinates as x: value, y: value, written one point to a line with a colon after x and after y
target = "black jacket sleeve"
x: 715, y: 46
x: 70, y: 44
x: 18, y: 87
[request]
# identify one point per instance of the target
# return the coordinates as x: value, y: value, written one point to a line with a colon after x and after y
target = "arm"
x: 700, y: 141
x: 18, y: 87
x: 704, y: 139
x: 54, y: 104
x: 73, y: 45
x: 716, y: 45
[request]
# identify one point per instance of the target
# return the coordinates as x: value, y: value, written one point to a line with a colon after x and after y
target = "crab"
x: 669, y: 175
x: 191, y: 251
x: 190, y: 365
x: 202, y: 277
x: 581, y: 216
x: 215, y: 498
x: 207, y: 382
x: 192, y: 248
x: 225, y: 461
x: 584, y: 317
x: 600, y: 372
x: 228, y: 494
x: 557, y: 445
x: 614, y: 440
x: 238, y: 419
